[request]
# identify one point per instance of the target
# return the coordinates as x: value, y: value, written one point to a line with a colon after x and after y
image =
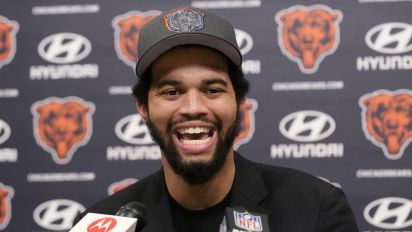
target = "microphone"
x: 134, y: 210
x: 131, y: 217
x: 239, y: 219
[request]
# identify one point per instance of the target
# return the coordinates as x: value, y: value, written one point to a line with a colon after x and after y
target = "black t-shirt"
x: 207, y: 220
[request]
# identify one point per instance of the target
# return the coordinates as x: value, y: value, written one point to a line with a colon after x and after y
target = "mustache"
x: 172, y: 123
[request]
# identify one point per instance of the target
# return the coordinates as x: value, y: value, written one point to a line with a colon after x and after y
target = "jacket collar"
x: 248, y: 191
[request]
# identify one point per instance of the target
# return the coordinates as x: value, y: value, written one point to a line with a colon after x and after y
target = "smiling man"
x: 190, y: 97
x: 189, y: 91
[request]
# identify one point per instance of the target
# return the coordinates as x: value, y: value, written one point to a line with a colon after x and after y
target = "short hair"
x: 239, y: 82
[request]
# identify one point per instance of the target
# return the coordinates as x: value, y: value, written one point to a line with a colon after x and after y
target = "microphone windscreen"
x: 134, y: 210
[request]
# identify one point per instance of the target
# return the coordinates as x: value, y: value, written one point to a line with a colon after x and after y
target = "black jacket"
x: 294, y: 201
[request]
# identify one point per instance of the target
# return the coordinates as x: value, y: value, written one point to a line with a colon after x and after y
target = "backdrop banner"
x: 331, y: 95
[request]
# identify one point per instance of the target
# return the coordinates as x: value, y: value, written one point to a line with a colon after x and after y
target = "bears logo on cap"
x: 126, y: 35
x: 307, y: 34
x: 61, y: 126
x: 387, y: 120
x: 184, y: 20
x: 8, y: 30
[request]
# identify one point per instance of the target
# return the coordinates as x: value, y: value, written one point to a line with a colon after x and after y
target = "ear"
x: 142, y: 110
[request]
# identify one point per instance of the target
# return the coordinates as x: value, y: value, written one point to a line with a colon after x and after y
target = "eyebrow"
x: 163, y: 83
x: 215, y: 81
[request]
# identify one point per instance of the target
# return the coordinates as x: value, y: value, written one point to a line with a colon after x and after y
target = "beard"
x: 196, y: 172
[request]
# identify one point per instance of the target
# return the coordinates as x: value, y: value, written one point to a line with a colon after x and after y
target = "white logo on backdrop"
x: 307, y: 126
x: 390, y: 38
x: 5, y: 131
x: 397, y: 209
x: 64, y: 48
x: 57, y: 214
x: 132, y: 129
x: 244, y: 41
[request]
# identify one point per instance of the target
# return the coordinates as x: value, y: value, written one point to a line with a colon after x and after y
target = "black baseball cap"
x: 185, y: 26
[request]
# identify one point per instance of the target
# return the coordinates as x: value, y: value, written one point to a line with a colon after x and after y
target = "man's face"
x: 192, y: 111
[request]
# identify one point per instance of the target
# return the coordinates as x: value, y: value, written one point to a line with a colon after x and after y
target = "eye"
x: 214, y: 91
x: 171, y: 92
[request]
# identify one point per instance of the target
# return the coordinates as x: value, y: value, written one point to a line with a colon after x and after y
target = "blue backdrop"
x: 331, y: 95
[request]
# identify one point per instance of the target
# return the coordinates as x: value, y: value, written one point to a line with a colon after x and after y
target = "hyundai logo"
x: 390, y: 38
x: 64, y: 48
x: 132, y: 129
x: 5, y: 131
x: 389, y: 213
x: 244, y: 41
x: 57, y: 214
x: 307, y: 126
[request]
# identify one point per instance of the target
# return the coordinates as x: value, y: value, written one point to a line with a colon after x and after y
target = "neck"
x: 202, y: 196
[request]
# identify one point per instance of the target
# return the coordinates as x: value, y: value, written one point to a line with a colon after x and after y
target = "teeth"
x: 193, y: 130
x: 199, y: 141
x: 194, y: 135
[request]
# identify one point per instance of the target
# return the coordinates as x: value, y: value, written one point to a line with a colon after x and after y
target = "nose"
x: 193, y: 105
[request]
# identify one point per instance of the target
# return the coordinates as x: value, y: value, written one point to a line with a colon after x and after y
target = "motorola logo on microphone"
x: 389, y: 213
x: 306, y: 127
x: 57, y: 214
x: 64, y: 49
x: 105, y: 224
x: 391, y: 39
x: 132, y: 216
x: 132, y: 130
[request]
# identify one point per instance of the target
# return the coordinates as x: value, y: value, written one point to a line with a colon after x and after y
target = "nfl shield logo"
x: 248, y: 221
